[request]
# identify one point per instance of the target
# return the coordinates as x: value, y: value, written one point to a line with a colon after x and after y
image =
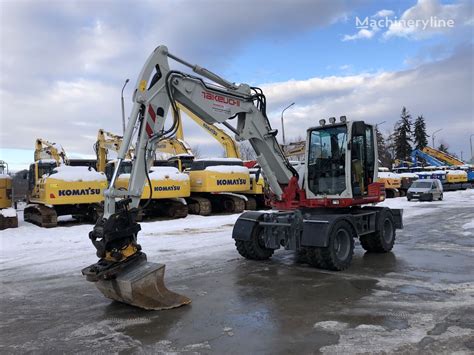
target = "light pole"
x: 433, y: 137
x: 123, y: 106
x: 282, y: 125
x: 470, y: 141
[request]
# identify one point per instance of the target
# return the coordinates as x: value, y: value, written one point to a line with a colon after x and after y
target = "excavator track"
x: 177, y: 209
x: 40, y: 215
x: 164, y: 208
x: 8, y: 222
x: 251, y: 203
x: 199, y: 205
x: 227, y: 204
x: 238, y: 204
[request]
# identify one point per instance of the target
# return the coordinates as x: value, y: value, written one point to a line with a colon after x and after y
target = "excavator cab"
x: 341, y: 160
x: 36, y: 171
x: 125, y: 168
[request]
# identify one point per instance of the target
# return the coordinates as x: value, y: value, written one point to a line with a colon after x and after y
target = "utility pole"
x: 470, y: 141
x: 123, y: 107
x: 433, y: 137
x: 282, y: 124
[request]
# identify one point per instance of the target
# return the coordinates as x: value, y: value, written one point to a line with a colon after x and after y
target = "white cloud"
x: 384, y: 13
x: 62, y: 66
x: 430, y: 17
x: 362, y: 34
x: 441, y: 91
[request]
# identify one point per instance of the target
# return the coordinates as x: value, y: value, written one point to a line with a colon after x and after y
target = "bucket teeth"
x: 142, y: 285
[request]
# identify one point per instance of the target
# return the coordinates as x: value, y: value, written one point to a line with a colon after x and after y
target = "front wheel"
x: 254, y: 249
x: 338, y: 254
x: 383, y: 239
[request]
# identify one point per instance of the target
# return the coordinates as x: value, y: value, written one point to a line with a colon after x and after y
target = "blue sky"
x: 63, y: 64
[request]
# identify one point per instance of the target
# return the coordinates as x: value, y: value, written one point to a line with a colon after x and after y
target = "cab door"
x: 363, y: 158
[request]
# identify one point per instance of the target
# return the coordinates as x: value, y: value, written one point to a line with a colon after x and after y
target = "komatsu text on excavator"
x: 319, y: 214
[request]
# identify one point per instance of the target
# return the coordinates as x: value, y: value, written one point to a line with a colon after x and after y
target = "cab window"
x: 326, y: 161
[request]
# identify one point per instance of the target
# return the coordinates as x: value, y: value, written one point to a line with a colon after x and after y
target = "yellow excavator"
x: 255, y: 194
x: 391, y: 181
x: 169, y: 187
x: 217, y: 184
x: 55, y: 188
x: 8, y: 216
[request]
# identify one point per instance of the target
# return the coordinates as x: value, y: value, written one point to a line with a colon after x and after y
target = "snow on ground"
x: 67, y: 248
x: 416, y: 208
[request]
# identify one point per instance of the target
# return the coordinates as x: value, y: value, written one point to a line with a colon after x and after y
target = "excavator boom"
x: 48, y: 150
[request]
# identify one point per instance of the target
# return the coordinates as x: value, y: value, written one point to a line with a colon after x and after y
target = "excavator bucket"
x: 142, y: 285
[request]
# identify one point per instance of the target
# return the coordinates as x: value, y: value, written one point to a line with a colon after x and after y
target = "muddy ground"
x: 418, y: 298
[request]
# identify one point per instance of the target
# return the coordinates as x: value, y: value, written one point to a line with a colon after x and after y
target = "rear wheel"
x: 338, y: 254
x: 382, y: 240
x: 315, y: 258
x: 254, y: 248
x: 441, y: 197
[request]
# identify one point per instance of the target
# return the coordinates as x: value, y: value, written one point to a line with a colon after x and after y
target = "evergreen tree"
x: 443, y: 147
x: 421, y: 138
x: 402, y: 136
x: 383, y: 151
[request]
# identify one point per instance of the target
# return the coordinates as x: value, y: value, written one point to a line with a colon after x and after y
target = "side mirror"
x: 358, y: 128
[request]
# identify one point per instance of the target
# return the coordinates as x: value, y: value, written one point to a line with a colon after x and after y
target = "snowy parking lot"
x: 418, y: 298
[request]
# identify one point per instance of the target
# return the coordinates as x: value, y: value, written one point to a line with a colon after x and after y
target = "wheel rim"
x: 260, y: 239
x: 342, y: 244
x: 387, y: 230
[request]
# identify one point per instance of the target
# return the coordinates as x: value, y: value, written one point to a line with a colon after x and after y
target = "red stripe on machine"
x: 151, y: 113
x: 149, y: 130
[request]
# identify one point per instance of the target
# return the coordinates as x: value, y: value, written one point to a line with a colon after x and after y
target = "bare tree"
x: 246, y: 151
x: 196, y: 151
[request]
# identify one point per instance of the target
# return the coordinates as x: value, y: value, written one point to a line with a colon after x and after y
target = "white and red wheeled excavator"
x: 319, y: 214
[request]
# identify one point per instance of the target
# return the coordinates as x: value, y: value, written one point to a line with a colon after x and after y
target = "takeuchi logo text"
x: 221, y: 99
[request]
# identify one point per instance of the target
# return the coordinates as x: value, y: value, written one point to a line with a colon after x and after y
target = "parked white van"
x: 425, y: 190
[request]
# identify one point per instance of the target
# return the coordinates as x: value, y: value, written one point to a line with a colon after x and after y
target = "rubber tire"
x: 315, y: 258
x: 301, y: 256
x: 253, y: 249
x: 328, y: 257
x: 375, y: 242
x: 440, y: 197
x: 430, y: 199
x: 408, y: 198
